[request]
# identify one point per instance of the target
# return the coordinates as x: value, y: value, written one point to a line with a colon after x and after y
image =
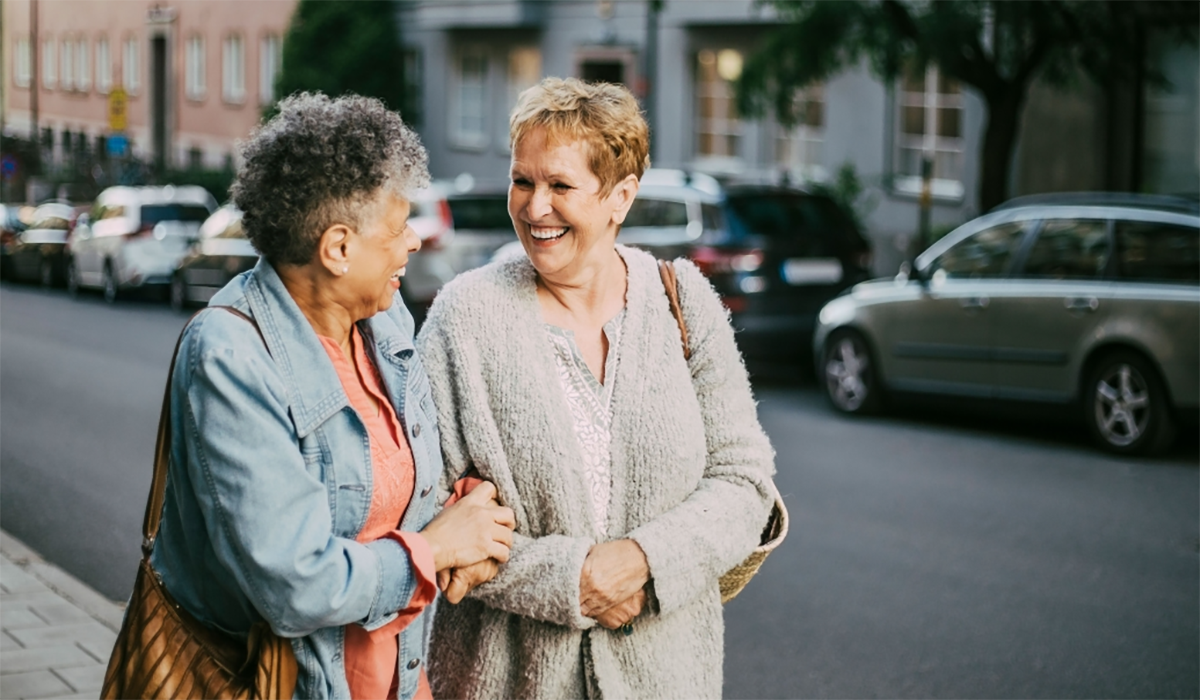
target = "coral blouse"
x: 371, y: 658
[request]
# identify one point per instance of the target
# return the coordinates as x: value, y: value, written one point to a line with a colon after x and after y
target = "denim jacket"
x: 270, y: 482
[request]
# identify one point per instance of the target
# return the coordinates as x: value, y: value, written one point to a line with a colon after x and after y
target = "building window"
x: 130, y: 69
x: 798, y: 150
x: 718, y: 128
x: 195, y: 158
x: 411, y: 109
x: 270, y: 62
x: 1170, y: 153
x: 468, y: 120
x: 524, y: 71
x: 103, y: 66
x: 49, y: 74
x: 194, y: 81
x: 233, y: 69
x: 68, y: 64
x: 22, y: 64
x: 83, y: 65
x: 929, y: 125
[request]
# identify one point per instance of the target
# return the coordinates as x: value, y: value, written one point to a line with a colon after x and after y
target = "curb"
x: 103, y: 610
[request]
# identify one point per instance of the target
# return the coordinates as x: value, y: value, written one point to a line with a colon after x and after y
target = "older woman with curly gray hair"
x: 304, y: 450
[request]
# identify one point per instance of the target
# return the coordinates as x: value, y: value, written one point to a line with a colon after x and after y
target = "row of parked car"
x: 1089, y: 302
x: 129, y: 238
x: 775, y: 253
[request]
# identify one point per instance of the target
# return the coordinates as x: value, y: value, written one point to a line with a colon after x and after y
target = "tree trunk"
x: 999, y: 138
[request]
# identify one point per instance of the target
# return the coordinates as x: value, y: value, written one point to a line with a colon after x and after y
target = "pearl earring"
x: 345, y: 269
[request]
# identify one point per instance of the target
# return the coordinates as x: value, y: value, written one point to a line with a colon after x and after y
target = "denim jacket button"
x: 417, y: 430
x: 425, y: 491
x: 413, y: 664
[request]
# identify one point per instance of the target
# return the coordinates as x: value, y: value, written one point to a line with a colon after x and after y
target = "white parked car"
x: 135, y: 237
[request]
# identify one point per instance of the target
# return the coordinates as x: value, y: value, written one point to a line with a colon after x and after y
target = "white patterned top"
x: 590, y: 403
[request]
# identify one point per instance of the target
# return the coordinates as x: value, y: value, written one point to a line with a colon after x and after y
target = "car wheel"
x: 46, y: 272
x: 1126, y: 406
x: 851, y: 380
x: 179, y: 292
x: 72, y: 279
x: 109, y: 284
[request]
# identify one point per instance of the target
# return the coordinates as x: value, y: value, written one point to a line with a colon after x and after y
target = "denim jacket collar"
x: 315, y: 392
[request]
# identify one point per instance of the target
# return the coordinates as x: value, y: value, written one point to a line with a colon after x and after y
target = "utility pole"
x: 35, y: 78
x: 926, y: 202
x: 650, y: 71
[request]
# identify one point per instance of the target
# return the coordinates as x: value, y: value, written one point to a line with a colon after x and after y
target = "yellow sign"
x: 117, y: 101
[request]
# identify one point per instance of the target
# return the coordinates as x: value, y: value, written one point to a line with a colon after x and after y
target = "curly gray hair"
x: 320, y: 162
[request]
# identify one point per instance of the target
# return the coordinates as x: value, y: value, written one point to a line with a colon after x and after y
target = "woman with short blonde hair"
x: 637, y: 477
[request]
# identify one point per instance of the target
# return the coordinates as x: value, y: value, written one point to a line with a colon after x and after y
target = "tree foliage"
x: 996, y: 47
x: 344, y: 47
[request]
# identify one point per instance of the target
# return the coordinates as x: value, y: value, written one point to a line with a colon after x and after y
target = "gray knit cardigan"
x: 691, y: 472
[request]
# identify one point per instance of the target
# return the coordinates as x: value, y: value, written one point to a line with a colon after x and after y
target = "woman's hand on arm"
x: 471, y: 531
x: 457, y: 583
x: 613, y: 573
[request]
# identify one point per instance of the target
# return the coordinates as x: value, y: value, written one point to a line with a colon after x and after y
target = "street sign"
x: 118, y: 144
x: 8, y: 165
x: 117, y: 102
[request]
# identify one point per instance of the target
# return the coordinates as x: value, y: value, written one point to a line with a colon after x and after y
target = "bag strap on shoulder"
x: 162, y: 447
x: 666, y: 270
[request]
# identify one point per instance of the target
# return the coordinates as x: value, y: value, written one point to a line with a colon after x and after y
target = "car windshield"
x: 648, y: 211
x: 52, y: 216
x: 483, y: 213
x: 52, y: 222
x: 154, y: 213
x: 817, y: 223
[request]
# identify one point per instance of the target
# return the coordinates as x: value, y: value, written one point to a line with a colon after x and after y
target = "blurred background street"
x: 931, y: 554
x: 959, y: 241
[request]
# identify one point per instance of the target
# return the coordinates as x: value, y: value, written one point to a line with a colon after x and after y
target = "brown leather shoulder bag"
x: 732, y: 581
x: 164, y: 652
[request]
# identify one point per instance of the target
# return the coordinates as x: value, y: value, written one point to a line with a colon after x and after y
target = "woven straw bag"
x: 161, y: 650
x: 732, y: 581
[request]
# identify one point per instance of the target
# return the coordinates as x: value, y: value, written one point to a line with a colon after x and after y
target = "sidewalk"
x: 55, y: 632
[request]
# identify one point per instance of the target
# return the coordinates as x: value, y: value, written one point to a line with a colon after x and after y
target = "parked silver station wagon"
x: 1090, y: 301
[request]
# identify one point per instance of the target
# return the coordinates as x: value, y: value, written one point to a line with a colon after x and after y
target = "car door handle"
x: 975, y: 303
x: 1081, y: 304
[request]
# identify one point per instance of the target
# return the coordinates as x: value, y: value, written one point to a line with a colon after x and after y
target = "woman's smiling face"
x: 561, y: 216
x: 379, y: 254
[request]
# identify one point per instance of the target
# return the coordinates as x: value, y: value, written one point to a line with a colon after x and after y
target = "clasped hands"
x: 612, y: 584
x: 470, y: 540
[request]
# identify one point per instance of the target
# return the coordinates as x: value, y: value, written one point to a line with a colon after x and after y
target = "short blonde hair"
x: 605, y: 116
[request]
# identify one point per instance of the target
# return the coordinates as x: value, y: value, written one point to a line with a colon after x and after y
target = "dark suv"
x: 778, y: 255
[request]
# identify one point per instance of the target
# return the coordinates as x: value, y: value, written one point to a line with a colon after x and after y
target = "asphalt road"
x: 931, y: 554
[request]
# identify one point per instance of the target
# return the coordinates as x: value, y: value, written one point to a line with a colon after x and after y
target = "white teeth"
x: 399, y: 273
x: 546, y: 234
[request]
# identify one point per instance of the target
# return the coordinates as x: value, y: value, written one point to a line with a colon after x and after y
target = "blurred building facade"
x: 196, y: 76
x: 469, y: 59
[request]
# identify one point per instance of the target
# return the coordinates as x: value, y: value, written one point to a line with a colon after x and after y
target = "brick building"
x: 197, y: 75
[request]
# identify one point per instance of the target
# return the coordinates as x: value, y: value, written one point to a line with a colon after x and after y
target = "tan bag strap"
x: 162, y: 447
x: 666, y: 270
